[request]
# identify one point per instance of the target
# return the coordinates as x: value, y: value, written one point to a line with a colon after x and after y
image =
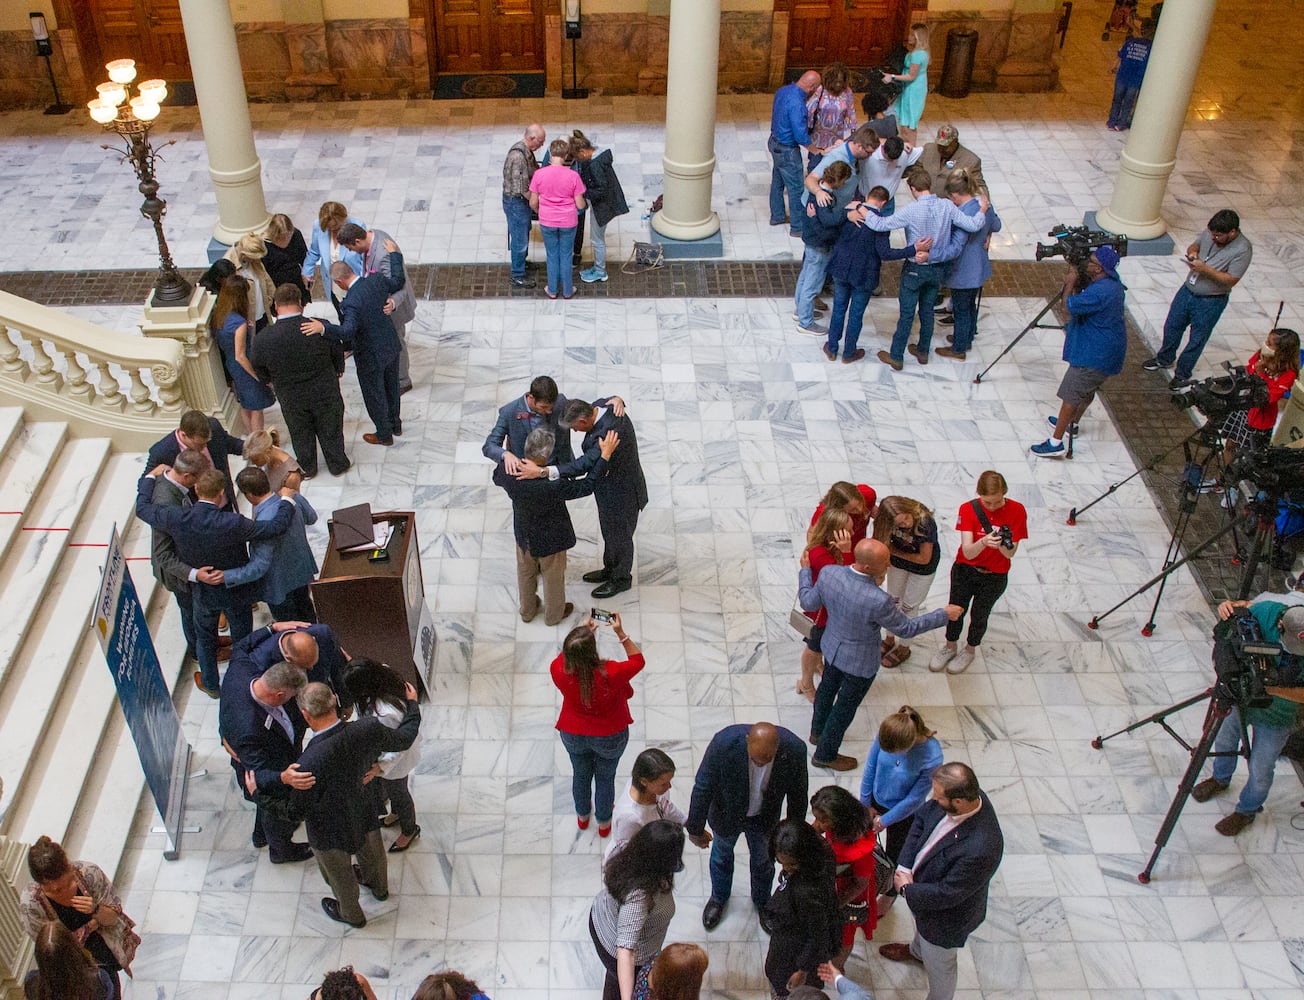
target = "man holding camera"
x: 1271, y: 724
x: 1095, y: 342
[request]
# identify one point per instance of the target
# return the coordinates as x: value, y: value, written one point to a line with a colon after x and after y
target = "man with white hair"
x: 518, y: 168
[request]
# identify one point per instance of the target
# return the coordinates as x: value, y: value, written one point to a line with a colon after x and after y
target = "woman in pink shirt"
x: 557, y: 194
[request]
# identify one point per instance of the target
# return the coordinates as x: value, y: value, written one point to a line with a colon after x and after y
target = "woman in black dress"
x: 286, y: 252
x: 803, y: 916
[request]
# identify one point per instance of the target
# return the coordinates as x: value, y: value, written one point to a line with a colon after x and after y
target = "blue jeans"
x: 848, y: 304
x: 760, y: 863
x: 1201, y: 315
x: 517, y: 211
x: 558, y: 244
x: 594, y: 760
x: 1120, y: 112
x: 1266, y: 743
x: 964, y: 309
x: 836, y: 701
x: 919, y: 285
x: 786, y: 175
x: 814, y: 263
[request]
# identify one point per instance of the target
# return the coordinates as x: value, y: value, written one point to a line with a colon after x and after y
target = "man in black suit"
x: 173, y: 489
x: 305, y: 372
x: 366, y: 326
x: 954, y: 849
x: 207, y: 536
x: 202, y: 433
x: 543, y: 526
x: 746, y: 774
x: 620, y: 494
x: 341, y: 817
x: 313, y: 649
x: 265, y: 739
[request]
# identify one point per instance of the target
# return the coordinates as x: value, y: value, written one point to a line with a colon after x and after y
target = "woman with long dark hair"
x: 1277, y: 363
x: 848, y: 827
x: 449, y: 985
x: 803, y: 917
x: 64, y: 969
x: 594, y: 721
x: 646, y: 799
x: 378, y: 691
x: 229, y: 325
x: 631, y: 913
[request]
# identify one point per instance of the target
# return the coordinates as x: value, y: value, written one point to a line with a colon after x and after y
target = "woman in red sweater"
x: 828, y: 543
x: 1277, y: 363
x: 595, y: 720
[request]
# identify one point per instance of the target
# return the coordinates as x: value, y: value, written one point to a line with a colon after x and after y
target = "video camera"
x: 1220, y: 395
x: 1247, y: 664
x: 1075, y: 243
x: 1275, y: 471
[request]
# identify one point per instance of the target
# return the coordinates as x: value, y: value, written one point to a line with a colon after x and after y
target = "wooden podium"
x: 378, y: 608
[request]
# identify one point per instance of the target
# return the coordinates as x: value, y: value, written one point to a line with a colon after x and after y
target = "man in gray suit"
x: 369, y: 244
x: 858, y: 610
x: 172, y: 489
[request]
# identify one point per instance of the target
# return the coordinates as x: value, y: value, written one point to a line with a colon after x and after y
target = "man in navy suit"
x: 539, y: 408
x: 203, y: 434
x: 266, y: 738
x: 745, y: 776
x: 858, y: 608
x: 543, y: 526
x: 954, y: 849
x: 282, y: 567
x: 366, y: 329
x: 312, y: 648
x: 211, y: 538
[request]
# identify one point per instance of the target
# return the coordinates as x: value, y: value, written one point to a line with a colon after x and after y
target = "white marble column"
x: 691, y: 84
x: 233, y: 162
x: 1151, y: 151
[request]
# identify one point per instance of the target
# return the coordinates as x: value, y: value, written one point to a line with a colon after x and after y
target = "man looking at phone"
x: 1217, y: 261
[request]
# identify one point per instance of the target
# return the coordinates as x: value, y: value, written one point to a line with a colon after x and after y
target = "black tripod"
x: 1201, y: 449
x: 1150, y: 466
x: 1221, y: 702
x: 1035, y: 324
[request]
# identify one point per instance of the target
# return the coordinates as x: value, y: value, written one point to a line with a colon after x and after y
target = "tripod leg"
x: 1158, y: 719
x: 1213, y: 721
x: 1036, y: 320
x: 1149, y: 467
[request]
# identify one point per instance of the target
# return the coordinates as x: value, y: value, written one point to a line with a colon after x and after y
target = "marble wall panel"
x: 373, y: 57
x: 24, y: 82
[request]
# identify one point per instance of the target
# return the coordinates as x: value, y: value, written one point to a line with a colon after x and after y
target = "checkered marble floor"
x: 742, y: 423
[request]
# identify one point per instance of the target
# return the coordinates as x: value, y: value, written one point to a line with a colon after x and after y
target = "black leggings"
x: 968, y: 583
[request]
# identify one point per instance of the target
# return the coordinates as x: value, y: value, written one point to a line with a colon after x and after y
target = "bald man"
x: 745, y: 776
x: 789, y: 135
x: 314, y: 649
x: 518, y: 168
x: 859, y: 609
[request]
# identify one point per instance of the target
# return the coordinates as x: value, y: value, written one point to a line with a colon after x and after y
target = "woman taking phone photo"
x: 991, y: 528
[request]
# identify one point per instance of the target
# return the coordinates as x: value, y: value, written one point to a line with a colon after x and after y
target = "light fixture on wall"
x: 131, y: 118
x: 571, y: 24
x: 44, y: 48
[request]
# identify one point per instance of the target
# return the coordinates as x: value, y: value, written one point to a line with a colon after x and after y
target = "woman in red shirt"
x: 828, y: 543
x: 861, y: 502
x: 595, y: 720
x: 848, y: 827
x: 1277, y: 363
x: 982, y: 566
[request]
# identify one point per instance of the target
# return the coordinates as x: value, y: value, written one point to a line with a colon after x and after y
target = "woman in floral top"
x: 831, y: 111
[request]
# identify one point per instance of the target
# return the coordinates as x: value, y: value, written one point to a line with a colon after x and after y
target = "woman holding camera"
x: 1277, y: 363
x: 595, y: 720
x: 909, y: 531
x: 991, y: 528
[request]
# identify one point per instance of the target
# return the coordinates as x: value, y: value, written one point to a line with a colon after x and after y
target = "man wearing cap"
x: 1271, y: 725
x: 1095, y: 342
x: 946, y: 154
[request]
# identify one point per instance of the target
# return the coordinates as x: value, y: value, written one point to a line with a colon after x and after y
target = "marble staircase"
x: 69, y: 769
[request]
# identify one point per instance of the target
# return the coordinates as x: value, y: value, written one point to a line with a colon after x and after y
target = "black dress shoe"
x: 331, y: 907
x: 711, y: 914
x: 394, y: 848
x: 296, y: 853
x: 595, y: 576
x: 611, y: 589
x: 524, y: 283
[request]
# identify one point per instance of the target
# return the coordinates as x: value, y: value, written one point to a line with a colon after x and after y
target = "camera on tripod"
x: 1274, y: 471
x: 1075, y: 243
x: 1247, y: 664
x: 1220, y: 395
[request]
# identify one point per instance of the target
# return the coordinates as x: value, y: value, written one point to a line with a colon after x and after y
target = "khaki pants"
x: 337, y: 869
x: 553, y: 570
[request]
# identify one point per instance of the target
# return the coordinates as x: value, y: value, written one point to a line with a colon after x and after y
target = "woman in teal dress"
x: 910, y: 102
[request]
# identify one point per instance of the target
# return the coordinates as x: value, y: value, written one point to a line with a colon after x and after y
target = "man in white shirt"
x: 885, y: 167
x: 954, y: 849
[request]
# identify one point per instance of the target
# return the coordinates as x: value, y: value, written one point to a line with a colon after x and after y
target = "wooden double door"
x: 148, y: 31
x: 855, y: 32
x: 487, y: 36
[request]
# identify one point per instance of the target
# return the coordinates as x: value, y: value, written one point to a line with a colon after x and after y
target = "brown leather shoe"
x: 372, y: 439
x: 897, y: 951
x: 831, y: 355
x: 946, y: 352
x: 223, y: 641
x: 890, y: 361
x: 566, y: 612
x: 1207, y: 789
x: 851, y: 359
x: 1233, y: 823
x: 915, y: 353
x: 224, y: 654
x: 839, y: 763
x: 199, y: 684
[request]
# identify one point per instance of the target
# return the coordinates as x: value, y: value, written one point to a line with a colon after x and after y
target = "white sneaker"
x: 962, y: 662
x: 941, y: 658
x: 814, y: 330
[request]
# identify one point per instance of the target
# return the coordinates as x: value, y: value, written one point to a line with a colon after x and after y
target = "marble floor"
x: 742, y: 424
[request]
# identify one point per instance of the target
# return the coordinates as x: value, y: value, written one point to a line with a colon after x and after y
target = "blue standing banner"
x: 120, y: 627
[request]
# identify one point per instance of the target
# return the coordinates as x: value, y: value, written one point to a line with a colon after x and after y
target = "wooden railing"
x: 102, y: 382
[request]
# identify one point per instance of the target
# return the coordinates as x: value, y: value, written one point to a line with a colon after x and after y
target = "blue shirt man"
x: 788, y: 134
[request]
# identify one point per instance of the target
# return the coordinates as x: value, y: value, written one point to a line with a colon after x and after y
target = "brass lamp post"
x: 131, y: 118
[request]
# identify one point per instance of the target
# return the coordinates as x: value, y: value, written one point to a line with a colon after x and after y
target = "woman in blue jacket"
x: 971, y: 269
x: 606, y: 199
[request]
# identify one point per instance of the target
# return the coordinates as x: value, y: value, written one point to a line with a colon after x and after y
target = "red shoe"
x: 604, y: 829
x: 582, y: 822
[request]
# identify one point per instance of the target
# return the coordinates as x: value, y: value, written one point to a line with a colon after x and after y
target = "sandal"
x: 897, y: 656
x: 886, y: 644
